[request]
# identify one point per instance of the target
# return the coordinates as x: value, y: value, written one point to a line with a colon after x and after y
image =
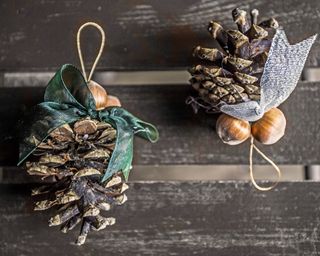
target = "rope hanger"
x: 254, y: 147
x: 103, y: 39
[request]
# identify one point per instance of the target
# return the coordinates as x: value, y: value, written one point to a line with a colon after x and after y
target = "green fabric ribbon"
x: 67, y: 98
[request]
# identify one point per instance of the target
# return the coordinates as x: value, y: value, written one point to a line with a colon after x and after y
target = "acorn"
x: 101, y: 97
x: 231, y: 130
x: 270, y: 128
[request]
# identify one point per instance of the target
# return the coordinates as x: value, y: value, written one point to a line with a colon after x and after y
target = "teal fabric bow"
x: 67, y: 98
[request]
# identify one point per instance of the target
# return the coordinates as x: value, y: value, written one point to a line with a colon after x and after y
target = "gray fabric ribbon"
x: 281, y: 74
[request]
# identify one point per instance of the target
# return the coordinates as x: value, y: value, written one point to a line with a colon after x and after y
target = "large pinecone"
x: 75, y: 158
x: 233, y: 74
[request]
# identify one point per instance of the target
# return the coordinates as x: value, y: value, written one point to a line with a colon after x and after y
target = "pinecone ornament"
x: 81, y: 140
x: 233, y: 74
x: 256, y: 70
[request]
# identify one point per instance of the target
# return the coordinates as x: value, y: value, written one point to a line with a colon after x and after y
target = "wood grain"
x: 173, y: 218
x: 141, y: 34
x: 185, y: 138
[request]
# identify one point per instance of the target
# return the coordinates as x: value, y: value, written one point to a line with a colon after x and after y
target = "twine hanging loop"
x: 254, y: 147
x: 103, y: 38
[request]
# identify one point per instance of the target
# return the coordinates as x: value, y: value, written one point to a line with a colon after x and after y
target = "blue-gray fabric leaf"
x: 281, y: 74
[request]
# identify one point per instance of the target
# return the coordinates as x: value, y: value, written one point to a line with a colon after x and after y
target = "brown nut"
x: 231, y: 130
x: 270, y: 128
x: 99, y: 94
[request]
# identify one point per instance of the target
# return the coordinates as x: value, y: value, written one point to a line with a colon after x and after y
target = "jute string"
x: 103, y: 38
x: 252, y: 146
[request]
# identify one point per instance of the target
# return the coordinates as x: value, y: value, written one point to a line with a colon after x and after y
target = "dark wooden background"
x: 162, y: 218
x: 141, y: 34
x: 178, y: 218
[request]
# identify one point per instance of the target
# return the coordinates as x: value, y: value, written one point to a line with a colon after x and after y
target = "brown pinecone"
x: 75, y: 158
x: 233, y: 74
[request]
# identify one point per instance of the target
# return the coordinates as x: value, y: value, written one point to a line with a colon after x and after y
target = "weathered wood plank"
x: 141, y: 34
x: 173, y: 218
x: 185, y: 138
